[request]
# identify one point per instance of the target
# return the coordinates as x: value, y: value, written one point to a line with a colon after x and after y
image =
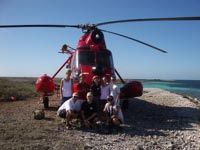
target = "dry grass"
x: 18, y: 88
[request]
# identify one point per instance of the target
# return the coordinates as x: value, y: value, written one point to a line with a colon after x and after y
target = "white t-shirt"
x: 70, y: 105
x: 114, y: 90
x: 66, y: 88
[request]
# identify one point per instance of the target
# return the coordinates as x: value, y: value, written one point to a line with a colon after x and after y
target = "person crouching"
x: 89, y: 111
x: 70, y: 109
x: 114, y: 116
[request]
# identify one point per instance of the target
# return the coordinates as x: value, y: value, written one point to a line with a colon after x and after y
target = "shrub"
x: 18, y: 88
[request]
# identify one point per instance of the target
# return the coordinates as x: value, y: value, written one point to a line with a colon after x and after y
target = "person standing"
x: 66, y: 87
x: 105, y: 91
x: 82, y: 88
x: 96, y: 89
x: 115, y: 90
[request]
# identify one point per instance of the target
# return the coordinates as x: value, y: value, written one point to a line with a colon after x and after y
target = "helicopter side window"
x: 86, y: 58
x: 104, y: 59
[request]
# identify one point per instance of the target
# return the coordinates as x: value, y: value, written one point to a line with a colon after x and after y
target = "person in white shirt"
x: 105, y: 91
x: 66, y: 87
x: 70, y: 109
x: 115, y: 90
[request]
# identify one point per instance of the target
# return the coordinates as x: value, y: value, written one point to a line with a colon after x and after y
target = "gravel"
x: 158, y: 120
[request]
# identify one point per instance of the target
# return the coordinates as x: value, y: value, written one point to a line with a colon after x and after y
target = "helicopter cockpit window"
x: 86, y: 58
x: 104, y: 59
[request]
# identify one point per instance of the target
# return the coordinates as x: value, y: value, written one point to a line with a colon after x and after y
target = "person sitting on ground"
x: 70, y: 109
x: 114, y: 116
x: 89, y: 111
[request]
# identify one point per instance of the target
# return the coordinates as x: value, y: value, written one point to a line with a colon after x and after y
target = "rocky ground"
x: 156, y: 120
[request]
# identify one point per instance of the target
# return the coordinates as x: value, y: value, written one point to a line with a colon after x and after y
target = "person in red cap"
x: 82, y: 87
x: 70, y: 109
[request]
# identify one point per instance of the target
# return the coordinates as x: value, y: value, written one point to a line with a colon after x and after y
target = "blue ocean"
x: 184, y: 87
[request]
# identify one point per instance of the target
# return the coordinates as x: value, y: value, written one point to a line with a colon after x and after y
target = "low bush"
x: 17, y: 88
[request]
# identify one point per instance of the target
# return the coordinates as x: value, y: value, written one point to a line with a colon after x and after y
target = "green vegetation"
x: 18, y: 88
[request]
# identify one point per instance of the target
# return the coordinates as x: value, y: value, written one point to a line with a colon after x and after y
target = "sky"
x: 32, y: 52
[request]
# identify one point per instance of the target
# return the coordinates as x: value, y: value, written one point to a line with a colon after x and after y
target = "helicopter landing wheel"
x: 46, y: 102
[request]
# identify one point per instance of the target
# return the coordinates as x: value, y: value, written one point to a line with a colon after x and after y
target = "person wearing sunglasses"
x: 70, y: 109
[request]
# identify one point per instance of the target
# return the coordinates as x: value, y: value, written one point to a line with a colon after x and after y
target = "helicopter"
x: 91, y: 56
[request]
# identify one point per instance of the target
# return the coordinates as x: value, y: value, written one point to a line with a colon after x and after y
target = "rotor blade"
x: 40, y: 26
x: 135, y: 40
x: 151, y: 19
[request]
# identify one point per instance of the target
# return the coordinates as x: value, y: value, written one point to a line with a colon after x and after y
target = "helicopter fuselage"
x: 91, y: 57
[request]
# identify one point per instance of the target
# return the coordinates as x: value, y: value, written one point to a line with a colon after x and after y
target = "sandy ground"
x: 19, y: 129
x: 156, y: 120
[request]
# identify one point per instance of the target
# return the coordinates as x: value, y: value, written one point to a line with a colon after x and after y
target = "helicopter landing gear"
x: 46, y: 102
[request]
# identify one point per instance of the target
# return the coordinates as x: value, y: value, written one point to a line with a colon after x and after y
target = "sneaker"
x: 63, y: 121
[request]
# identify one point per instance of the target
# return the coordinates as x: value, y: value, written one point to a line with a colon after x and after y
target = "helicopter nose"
x: 45, y: 85
x: 97, y: 70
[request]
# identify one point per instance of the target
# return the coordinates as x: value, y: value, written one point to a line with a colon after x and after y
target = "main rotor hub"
x: 93, y: 38
x: 87, y: 26
x: 97, y: 36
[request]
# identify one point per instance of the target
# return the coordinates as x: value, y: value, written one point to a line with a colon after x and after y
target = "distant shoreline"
x: 33, y: 80
x: 173, y: 94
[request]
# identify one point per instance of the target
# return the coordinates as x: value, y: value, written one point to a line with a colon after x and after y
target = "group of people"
x: 99, y: 101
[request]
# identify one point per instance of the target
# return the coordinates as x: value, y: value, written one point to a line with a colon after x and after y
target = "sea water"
x: 184, y: 87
